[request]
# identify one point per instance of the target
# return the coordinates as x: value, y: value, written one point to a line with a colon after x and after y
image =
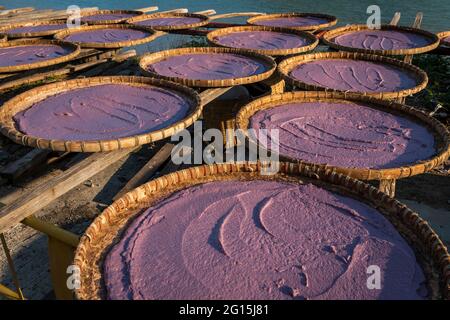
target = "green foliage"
x: 438, y: 89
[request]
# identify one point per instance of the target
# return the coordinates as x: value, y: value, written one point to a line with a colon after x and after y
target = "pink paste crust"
x: 346, y: 135
x: 107, y: 35
x: 208, y: 66
x: 260, y: 240
x: 26, y: 54
x: 354, y: 75
x: 266, y: 40
x: 168, y: 21
x: 382, y: 40
x: 291, y: 21
x: 103, y: 112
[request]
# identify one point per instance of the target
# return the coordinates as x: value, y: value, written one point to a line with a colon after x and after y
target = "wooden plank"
x: 417, y: 24
x: 16, y: 169
x: 41, y: 196
x: 206, y: 12
x: 219, y: 25
x: 236, y: 14
x: 190, y: 32
x: 111, y: 63
x: 41, y: 15
x: 180, y: 10
x: 148, y: 170
x: 209, y: 95
x: 148, y: 9
x: 16, y: 11
x: 395, y: 19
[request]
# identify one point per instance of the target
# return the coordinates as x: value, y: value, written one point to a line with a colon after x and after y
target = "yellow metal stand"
x: 61, y: 247
x: 4, y: 290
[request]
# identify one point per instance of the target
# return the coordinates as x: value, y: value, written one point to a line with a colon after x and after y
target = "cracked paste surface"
x: 291, y: 21
x: 382, y: 40
x: 260, y: 240
x: 168, y: 21
x: 103, y: 112
x: 268, y: 40
x: 26, y: 54
x: 345, y: 134
x: 208, y: 66
x: 354, y: 75
x: 107, y: 35
x: 108, y: 16
x: 37, y: 28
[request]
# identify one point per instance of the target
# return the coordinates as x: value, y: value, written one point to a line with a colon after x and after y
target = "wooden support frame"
x: 388, y: 186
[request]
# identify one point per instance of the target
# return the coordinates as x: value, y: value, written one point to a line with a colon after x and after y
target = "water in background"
x: 436, y: 12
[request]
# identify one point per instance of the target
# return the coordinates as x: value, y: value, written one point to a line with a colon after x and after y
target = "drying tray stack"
x: 74, y: 52
x: 312, y: 40
x: 110, y: 45
x: 107, y: 12
x: 258, y: 20
x: 440, y: 132
x: 151, y: 58
x: 32, y: 34
x: 25, y: 100
x: 106, y: 229
x: 332, y: 34
x: 203, y: 20
x: 286, y: 66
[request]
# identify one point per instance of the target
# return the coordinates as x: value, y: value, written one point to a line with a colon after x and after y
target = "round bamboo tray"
x: 35, y: 34
x: 332, y: 34
x: 150, y: 58
x: 332, y: 20
x: 204, y: 20
x: 440, y: 132
x: 110, y: 45
x: 105, y: 230
x: 285, y: 67
x: 75, y: 51
x: 312, y: 40
x: 442, y: 36
x: 29, y: 98
x: 85, y: 16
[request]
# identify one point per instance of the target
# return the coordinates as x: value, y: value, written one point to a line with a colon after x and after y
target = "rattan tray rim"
x: 332, y: 19
x: 413, y: 228
x: 439, y: 130
x: 331, y: 34
x: 204, y: 20
x: 4, y: 29
x: 110, y: 45
x: 23, y: 101
x: 313, y: 40
x: 149, y: 58
x: 285, y: 67
x: 442, y: 35
x: 40, y: 64
x: 114, y: 21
